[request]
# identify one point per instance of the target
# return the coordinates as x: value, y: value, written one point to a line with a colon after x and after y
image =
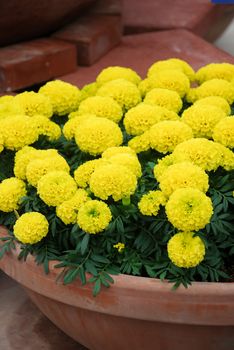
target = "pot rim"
x: 208, y: 303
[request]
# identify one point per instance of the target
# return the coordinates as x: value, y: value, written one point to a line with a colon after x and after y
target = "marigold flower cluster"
x: 130, y: 160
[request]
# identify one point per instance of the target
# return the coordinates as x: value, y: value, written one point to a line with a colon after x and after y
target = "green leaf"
x: 97, y: 287
x: 84, y: 244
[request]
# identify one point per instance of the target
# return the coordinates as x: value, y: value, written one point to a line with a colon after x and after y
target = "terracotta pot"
x: 27, y: 19
x: 135, y: 313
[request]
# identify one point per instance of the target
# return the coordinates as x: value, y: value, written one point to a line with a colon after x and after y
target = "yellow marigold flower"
x: 95, y: 135
x: 34, y: 103
x: 56, y: 187
x: 202, y: 119
x: 181, y: 175
x: 18, y: 132
x: 122, y: 91
x: 68, y: 210
x: 113, y: 180
x: 8, y: 107
x: 162, y: 166
x: 189, y: 209
x: 88, y: 91
x: 224, y: 132
x: 25, y: 155
x: 199, y: 151
x: 11, y: 191
x: 31, y: 228
x: 164, y: 98
x: 104, y: 107
x: 6, y: 98
x: 83, y: 173
x: 216, y: 101
x: 172, y: 64
x: 140, y: 143
x: 185, y: 250
x: 191, y: 95
x: 1, y: 143
x: 70, y: 127
x: 140, y: 118
x: 166, y: 135
x: 46, y: 127
x: 129, y: 161
x: 172, y: 80
x: 223, y: 71
x: 94, y: 216
x: 40, y: 167
x: 145, y: 86
x: 116, y: 72
x: 216, y: 87
x: 120, y: 246
x: 64, y: 97
x: 226, y: 156
x: 150, y: 203
x: 112, y: 151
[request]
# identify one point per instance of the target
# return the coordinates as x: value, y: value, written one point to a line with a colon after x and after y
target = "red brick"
x: 33, y: 62
x: 25, y: 19
x: 200, y: 16
x: 93, y: 35
x: 140, y: 51
x: 107, y: 7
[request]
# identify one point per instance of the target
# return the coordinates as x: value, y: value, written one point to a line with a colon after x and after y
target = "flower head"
x: 27, y: 154
x: 128, y: 160
x: 30, y: 228
x: 56, y: 187
x: 224, y: 132
x: 199, y: 151
x: 162, y: 166
x: 185, y: 250
x: 113, y: 180
x: 172, y: 80
x: 202, y: 119
x: 166, y: 135
x: 70, y: 127
x: 119, y: 246
x: 189, y: 209
x: 150, y: 203
x: 140, y: 118
x: 95, y: 135
x: 46, y: 127
x: 64, y: 97
x: 37, y: 168
x: 34, y: 103
x: 172, y: 64
x: 140, y: 143
x: 83, y: 173
x: 113, y: 151
x: 104, y: 107
x: 165, y: 98
x: 122, y: 91
x: 215, y: 87
x: 11, y: 191
x: 94, y: 216
x: 223, y: 71
x: 68, y: 210
x: 216, y: 101
x: 183, y: 175
x: 18, y: 132
x: 116, y: 72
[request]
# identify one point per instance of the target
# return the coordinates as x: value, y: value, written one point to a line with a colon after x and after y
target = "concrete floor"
x: 22, y: 326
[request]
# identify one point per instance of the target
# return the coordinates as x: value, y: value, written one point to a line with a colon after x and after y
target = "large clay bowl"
x: 27, y: 19
x: 135, y: 313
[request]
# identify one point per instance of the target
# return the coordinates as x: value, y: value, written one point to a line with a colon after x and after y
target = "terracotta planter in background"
x: 135, y: 313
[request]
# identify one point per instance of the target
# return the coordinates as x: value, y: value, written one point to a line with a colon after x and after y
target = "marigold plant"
x: 125, y: 175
